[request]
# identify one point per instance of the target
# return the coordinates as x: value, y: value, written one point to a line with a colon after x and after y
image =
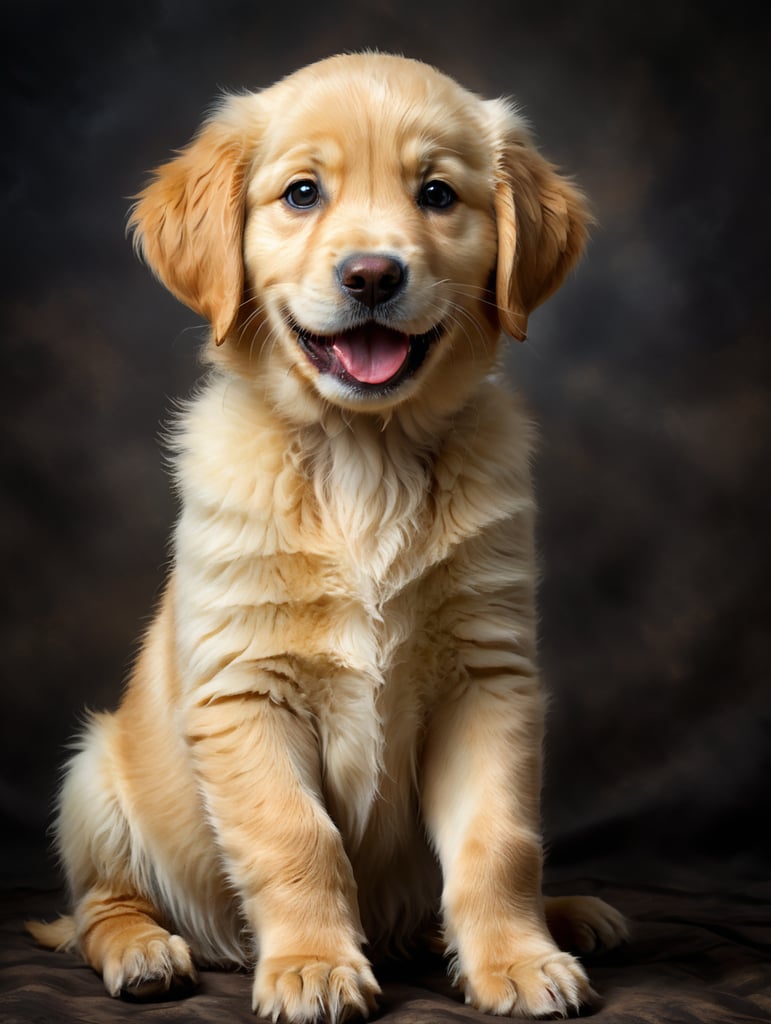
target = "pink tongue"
x: 372, y: 354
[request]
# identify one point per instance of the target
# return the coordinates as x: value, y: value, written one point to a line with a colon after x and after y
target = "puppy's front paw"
x: 547, y: 985
x: 303, y: 989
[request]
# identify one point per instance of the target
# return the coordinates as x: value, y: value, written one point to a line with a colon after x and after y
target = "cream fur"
x: 334, y: 727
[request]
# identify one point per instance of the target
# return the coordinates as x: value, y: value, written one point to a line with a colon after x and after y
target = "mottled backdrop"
x: 649, y: 374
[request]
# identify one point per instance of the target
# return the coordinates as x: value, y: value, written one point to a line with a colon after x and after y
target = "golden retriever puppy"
x: 332, y: 737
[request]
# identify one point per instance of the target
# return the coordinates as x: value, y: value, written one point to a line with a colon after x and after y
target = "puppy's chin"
x: 370, y: 366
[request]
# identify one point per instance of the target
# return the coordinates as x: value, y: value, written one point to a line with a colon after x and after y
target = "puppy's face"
x: 370, y: 233
x: 361, y: 232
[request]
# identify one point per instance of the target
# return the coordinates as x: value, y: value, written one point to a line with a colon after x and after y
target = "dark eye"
x: 436, y: 195
x: 302, y: 195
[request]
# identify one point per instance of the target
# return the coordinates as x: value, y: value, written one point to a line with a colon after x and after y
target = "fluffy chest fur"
x: 317, y: 566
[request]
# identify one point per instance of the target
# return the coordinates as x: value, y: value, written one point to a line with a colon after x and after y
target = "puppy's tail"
x: 59, y: 935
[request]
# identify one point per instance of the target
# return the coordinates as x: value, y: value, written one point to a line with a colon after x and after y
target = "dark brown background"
x: 649, y: 373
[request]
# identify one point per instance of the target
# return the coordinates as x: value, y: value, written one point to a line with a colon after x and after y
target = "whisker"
x: 472, y: 290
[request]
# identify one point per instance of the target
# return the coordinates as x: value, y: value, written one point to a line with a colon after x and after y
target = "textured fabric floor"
x: 695, y: 957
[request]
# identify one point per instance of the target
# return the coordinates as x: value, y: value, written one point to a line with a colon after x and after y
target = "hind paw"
x: 584, y: 924
x: 150, y: 968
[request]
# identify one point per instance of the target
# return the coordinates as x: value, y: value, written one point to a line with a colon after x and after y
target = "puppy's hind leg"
x: 584, y: 924
x: 115, y: 923
x: 120, y: 937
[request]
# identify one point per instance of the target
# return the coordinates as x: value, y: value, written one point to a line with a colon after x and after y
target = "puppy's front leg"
x: 481, y: 802
x: 258, y: 766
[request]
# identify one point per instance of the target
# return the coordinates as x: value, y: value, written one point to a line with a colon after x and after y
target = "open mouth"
x: 370, y: 357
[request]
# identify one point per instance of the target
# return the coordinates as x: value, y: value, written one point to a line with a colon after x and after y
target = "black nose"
x: 371, y: 279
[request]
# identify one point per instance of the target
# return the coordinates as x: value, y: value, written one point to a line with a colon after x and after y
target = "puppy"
x: 332, y: 736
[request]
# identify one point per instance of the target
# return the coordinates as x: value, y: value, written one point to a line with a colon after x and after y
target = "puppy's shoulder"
x: 491, y: 444
x: 482, y: 472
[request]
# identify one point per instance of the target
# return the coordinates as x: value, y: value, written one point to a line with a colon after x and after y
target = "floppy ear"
x: 188, y: 225
x: 542, y: 221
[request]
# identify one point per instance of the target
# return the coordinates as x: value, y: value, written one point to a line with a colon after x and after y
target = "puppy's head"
x: 361, y: 232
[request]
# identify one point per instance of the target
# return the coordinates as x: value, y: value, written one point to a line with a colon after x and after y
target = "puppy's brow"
x: 319, y: 151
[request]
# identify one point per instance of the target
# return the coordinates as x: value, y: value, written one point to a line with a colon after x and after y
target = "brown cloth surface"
x: 695, y: 957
